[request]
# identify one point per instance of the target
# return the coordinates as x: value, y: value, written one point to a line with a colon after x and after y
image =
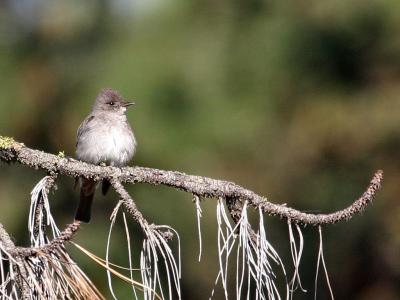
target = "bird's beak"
x: 126, y: 104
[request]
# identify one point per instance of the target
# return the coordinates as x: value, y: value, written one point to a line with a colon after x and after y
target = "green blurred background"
x: 296, y: 100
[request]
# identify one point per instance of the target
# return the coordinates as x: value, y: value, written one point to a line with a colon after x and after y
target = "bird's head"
x: 110, y: 100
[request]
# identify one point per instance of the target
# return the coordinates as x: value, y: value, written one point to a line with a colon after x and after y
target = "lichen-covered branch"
x: 12, y: 151
x: 131, y: 208
x: 45, y: 270
x: 15, y: 251
x: 128, y: 202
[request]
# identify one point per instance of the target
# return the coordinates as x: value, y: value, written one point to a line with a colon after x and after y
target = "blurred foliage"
x: 298, y: 101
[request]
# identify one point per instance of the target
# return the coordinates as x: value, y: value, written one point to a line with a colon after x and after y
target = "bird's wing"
x: 83, y: 128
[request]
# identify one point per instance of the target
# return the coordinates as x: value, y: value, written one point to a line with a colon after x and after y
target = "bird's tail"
x: 88, y: 188
x: 105, y: 186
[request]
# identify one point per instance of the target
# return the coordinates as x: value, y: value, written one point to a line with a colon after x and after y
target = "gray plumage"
x: 105, y: 136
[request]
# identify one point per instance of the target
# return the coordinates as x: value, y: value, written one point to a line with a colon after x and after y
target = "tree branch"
x: 128, y: 202
x: 132, y: 209
x: 46, y: 271
x: 200, y: 186
x: 22, y: 252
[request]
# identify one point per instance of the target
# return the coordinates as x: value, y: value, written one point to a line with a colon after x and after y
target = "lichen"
x: 6, y: 142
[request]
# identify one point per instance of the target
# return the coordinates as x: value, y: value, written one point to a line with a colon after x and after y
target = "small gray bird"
x: 105, y: 136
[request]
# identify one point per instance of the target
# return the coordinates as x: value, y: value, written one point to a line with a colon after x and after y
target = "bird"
x: 104, y: 137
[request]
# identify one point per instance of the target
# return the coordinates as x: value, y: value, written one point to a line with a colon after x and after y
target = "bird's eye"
x: 111, y: 103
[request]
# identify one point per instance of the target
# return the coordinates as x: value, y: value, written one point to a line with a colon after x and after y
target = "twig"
x: 22, y: 252
x: 130, y: 206
x: 9, y: 247
x: 128, y: 202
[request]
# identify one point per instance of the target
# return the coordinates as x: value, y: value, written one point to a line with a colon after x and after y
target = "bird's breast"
x: 110, y: 142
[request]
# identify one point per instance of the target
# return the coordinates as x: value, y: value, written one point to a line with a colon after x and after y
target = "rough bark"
x: 201, y: 186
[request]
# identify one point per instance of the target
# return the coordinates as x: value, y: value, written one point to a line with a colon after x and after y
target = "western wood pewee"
x: 105, y: 136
